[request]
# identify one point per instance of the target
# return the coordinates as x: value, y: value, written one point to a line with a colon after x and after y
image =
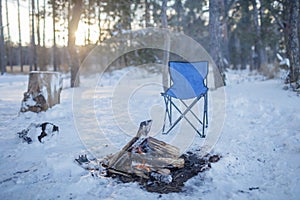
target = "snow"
x: 259, y: 140
x: 28, y: 102
x: 283, y: 61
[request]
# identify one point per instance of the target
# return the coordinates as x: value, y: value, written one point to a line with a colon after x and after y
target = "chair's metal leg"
x: 204, y: 116
x: 178, y: 120
x: 166, y: 112
x: 170, y: 109
x: 182, y: 115
x: 170, y: 104
x: 206, y: 112
x: 164, y: 126
x: 204, y: 120
x: 192, y: 112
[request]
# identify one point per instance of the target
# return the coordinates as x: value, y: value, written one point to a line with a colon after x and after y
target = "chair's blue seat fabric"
x: 188, y: 79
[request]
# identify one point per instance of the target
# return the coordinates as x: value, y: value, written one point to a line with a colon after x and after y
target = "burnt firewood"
x: 156, y: 165
x: 143, y: 155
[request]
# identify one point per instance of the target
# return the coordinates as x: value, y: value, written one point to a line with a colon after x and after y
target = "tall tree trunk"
x: 40, y: 56
x: 2, y: 48
x: 74, y: 58
x: 245, y: 33
x: 20, y: 38
x: 28, y: 54
x: 38, y: 24
x: 147, y: 13
x: 88, y: 41
x: 293, y: 41
x: 299, y: 30
x: 54, y: 36
x: 99, y: 22
x: 33, y: 46
x: 260, y: 59
x: 178, y: 9
x: 235, y: 50
x: 38, y: 33
x: 9, y: 43
x: 165, y: 71
x: 44, y: 25
x: 125, y: 14
x: 43, y: 51
x: 216, y: 38
x: 226, y: 5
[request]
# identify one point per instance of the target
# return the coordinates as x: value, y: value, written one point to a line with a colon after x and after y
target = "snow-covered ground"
x: 259, y: 141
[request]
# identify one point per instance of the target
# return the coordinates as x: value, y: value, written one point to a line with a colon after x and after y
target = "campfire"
x: 145, y: 155
x: 158, y: 166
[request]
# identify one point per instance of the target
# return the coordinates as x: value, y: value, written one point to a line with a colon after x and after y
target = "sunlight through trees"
x: 48, y: 35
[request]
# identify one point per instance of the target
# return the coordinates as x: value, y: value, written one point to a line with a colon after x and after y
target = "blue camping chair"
x: 189, y: 82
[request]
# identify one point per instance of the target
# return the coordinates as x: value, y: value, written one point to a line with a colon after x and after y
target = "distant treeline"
x: 236, y: 33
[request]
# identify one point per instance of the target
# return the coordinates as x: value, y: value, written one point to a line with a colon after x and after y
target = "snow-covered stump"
x: 43, y: 91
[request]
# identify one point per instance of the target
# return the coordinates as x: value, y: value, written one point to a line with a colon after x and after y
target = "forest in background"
x: 237, y: 34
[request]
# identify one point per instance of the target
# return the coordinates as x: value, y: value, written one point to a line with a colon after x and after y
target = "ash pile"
x: 157, y: 166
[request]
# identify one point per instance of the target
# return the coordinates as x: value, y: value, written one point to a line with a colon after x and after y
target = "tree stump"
x: 43, y: 91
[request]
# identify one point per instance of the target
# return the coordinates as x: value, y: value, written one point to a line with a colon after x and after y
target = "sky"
x: 13, y: 20
x: 61, y: 38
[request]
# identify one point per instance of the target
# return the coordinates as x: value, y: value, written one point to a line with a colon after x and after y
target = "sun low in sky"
x: 61, y: 33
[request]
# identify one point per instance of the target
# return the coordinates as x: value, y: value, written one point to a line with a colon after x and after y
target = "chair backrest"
x: 201, y: 67
x: 188, y: 78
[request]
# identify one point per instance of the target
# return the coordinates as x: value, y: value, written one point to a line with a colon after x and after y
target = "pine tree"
x: 216, y: 38
x: 33, y: 45
x: 9, y: 43
x: 20, y: 38
x: 2, y: 49
x: 72, y: 28
x: 54, y: 35
x: 164, y: 22
x: 293, y: 41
